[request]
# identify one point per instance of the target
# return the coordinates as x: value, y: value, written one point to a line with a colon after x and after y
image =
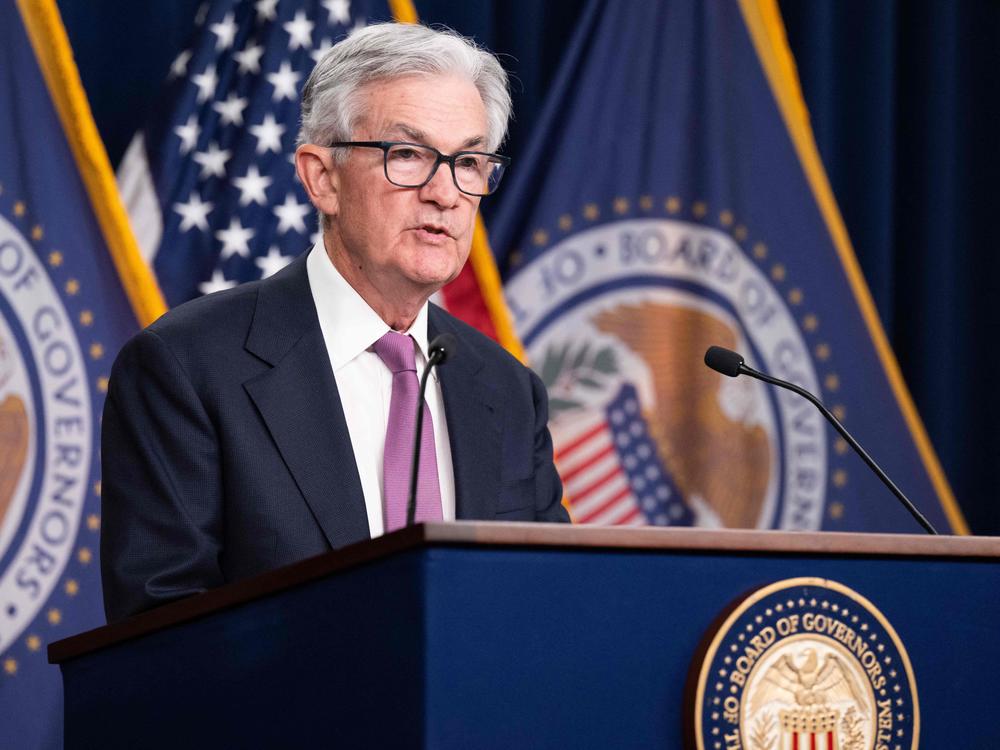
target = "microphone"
x: 731, y: 364
x: 441, y: 349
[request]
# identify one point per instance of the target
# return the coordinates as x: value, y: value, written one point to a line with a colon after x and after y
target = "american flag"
x: 612, y: 472
x: 209, y: 183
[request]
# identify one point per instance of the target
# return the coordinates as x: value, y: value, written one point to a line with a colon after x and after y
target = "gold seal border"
x: 787, y: 583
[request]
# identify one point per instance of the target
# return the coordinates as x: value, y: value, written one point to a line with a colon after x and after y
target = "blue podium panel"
x: 593, y: 649
x: 562, y: 638
x: 333, y: 662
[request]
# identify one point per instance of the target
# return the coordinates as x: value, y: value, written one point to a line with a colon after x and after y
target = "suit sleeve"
x: 161, y: 498
x: 548, y: 486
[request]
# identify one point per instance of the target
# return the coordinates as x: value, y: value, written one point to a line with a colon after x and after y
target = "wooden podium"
x: 487, y: 635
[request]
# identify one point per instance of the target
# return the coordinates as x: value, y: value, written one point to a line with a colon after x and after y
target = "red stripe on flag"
x: 565, y: 450
x: 597, y: 483
x: 795, y: 741
x: 572, y: 473
x: 629, y: 517
x: 605, y: 506
x: 812, y: 741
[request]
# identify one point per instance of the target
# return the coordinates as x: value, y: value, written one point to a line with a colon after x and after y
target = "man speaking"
x: 268, y: 423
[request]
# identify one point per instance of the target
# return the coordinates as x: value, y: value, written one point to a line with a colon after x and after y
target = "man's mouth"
x: 435, y: 229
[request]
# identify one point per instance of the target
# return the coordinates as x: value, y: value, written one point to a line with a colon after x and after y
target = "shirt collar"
x: 350, y: 326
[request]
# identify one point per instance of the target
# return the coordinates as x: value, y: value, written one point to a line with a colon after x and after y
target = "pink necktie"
x: 396, y: 350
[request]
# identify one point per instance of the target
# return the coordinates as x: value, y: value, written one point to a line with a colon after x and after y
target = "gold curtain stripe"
x: 52, y: 50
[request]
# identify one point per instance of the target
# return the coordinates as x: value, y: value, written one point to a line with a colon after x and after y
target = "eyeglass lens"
x: 410, y: 166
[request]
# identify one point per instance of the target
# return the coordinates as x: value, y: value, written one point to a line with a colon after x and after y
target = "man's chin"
x: 431, y: 282
x: 435, y: 267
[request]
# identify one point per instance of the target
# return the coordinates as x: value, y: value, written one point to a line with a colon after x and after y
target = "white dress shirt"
x: 350, y: 328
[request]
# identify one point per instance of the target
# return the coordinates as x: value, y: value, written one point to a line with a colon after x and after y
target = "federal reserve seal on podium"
x: 806, y: 664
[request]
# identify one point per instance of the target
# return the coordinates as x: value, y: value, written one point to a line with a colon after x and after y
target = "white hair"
x: 331, y: 107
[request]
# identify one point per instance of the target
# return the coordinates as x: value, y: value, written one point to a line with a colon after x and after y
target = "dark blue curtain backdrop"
x: 904, y: 104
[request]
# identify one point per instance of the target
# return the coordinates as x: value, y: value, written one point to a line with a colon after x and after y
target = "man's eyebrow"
x: 474, y: 141
x: 418, y: 136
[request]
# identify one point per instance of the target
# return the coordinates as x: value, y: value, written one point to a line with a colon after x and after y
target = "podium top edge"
x: 527, y: 535
x: 720, y: 540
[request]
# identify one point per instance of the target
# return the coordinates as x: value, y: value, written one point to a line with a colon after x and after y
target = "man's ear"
x: 320, y: 176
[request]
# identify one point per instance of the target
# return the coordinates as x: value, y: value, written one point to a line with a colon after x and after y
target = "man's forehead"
x: 424, y: 108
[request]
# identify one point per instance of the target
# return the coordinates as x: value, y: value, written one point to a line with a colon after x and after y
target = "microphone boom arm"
x: 744, y: 369
x: 440, y: 350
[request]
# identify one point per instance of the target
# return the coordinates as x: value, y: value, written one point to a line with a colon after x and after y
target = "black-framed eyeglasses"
x: 413, y: 165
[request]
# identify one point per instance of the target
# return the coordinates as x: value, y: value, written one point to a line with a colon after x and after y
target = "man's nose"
x: 441, y: 188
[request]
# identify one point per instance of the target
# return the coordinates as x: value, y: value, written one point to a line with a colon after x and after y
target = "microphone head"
x: 724, y: 361
x: 443, y: 346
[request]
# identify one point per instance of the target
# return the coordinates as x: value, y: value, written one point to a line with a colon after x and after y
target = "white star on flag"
x: 217, y: 283
x: 225, y: 32
x: 266, y: 10
x: 213, y: 161
x: 206, y: 82
x: 252, y: 186
x: 249, y: 59
x: 273, y: 262
x: 299, y: 31
x: 322, y: 49
x: 284, y: 82
x: 268, y: 135
x: 188, y: 133
x: 339, y: 10
x: 291, y: 214
x: 194, y: 213
x: 235, y: 239
x: 231, y: 110
x: 179, y: 66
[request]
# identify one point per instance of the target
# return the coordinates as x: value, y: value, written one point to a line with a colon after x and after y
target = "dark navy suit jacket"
x: 225, y: 451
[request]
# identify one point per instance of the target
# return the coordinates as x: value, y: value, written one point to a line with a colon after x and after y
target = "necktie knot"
x: 397, y: 351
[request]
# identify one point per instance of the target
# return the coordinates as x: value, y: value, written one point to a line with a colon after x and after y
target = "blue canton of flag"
x: 672, y: 198
x: 656, y: 492
x: 210, y: 183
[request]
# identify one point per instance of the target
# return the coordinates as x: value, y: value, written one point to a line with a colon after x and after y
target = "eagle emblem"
x: 707, y: 450
x: 811, y: 695
x: 703, y: 431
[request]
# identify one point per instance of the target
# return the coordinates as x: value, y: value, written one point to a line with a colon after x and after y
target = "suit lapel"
x: 472, y: 410
x: 299, y: 402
